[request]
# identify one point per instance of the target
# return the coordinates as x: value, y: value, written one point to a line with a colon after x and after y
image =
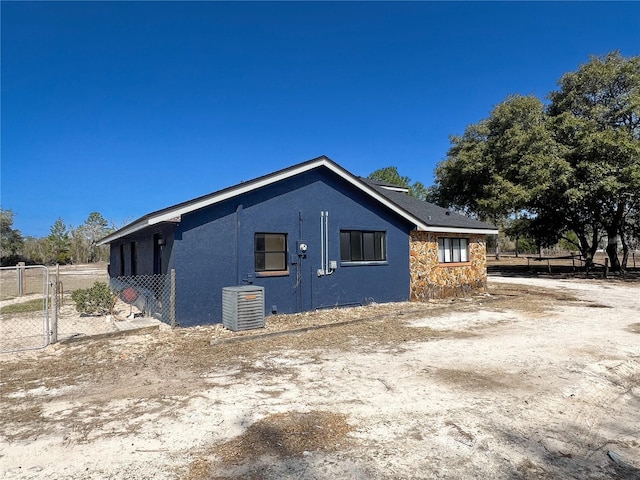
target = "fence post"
x: 56, y: 306
x: 20, y: 278
x: 606, y: 267
x: 172, y: 298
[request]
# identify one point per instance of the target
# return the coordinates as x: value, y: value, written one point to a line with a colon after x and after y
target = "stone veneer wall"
x: 431, y: 279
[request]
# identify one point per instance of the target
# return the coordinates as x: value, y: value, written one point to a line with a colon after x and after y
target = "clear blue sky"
x: 128, y: 107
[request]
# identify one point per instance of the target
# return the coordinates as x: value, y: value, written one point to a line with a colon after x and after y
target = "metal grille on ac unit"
x: 243, y: 307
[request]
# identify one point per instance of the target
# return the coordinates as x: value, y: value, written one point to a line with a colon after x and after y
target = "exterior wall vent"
x: 243, y: 307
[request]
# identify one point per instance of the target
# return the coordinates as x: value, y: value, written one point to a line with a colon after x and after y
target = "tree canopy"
x: 569, y: 169
x: 63, y: 244
x: 391, y: 176
x: 11, y: 241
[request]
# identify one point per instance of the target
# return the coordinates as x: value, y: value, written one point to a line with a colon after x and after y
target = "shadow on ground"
x: 541, y: 270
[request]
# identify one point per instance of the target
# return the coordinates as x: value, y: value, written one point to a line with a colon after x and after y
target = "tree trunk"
x: 612, y: 250
x: 500, y: 227
x: 625, y: 253
x: 613, y: 227
x: 587, y: 250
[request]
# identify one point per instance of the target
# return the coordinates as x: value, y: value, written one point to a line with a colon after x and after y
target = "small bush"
x: 97, y: 300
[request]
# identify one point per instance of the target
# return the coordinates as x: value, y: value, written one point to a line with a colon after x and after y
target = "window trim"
x: 383, y: 260
x: 362, y: 263
x: 284, y: 253
x: 442, y: 251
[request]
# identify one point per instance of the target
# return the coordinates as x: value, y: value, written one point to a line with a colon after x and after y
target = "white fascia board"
x: 381, y: 198
x: 249, y: 186
x: 134, y: 227
x: 479, y: 231
x: 175, y: 213
x: 239, y: 190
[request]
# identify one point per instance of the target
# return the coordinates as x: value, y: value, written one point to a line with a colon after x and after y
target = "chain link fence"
x: 25, y: 308
x: 146, y: 296
x: 36, y: 305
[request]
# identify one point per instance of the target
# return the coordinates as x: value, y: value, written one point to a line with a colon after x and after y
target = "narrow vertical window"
x: 464, y: 251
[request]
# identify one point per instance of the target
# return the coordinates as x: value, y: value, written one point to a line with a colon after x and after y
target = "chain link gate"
x: 25, y: 321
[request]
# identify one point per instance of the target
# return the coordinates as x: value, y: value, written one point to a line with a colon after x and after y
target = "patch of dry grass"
x: 468, y: 380
x: 278, y: 436
x: 148, y: 365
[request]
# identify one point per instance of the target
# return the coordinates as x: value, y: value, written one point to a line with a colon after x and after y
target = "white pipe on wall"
x: 326, y: 243
x: 321, y: 270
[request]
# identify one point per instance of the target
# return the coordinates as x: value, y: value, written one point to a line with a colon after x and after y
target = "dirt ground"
x: 537, y: 378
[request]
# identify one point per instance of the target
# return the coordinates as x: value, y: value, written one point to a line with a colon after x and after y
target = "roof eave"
x: 123, y: 232
x: 463, y: 230
x: 132, y: 228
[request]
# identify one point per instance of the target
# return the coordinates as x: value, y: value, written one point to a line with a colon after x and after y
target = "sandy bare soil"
x: 538, y: 378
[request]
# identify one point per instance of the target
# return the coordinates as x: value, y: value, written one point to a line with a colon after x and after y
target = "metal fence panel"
x: 24, y: 308
x: 147, y: 295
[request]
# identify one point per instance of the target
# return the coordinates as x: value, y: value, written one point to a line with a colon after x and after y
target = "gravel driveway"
x: 537, y: 378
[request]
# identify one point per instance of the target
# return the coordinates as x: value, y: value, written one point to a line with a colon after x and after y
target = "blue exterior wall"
x: 144, y: 242
x: 214, y: 247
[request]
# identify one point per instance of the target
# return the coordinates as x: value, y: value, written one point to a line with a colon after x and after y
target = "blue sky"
x: 129, y: 107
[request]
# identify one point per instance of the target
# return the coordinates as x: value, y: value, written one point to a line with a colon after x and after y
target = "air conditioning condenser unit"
x: 243, y: 307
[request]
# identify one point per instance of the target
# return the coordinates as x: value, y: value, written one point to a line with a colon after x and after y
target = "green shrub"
x: 97, y: 300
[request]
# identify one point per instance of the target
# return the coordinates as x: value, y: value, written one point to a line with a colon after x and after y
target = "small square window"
x: 270, y: 252
x: 453, y: 250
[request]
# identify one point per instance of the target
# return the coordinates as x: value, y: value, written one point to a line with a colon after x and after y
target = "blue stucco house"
x: 313, y: 235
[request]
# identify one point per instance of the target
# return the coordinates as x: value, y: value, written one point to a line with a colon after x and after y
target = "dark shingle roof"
x: 429, y: 213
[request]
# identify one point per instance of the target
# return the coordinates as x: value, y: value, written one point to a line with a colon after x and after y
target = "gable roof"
x: 410, y: 213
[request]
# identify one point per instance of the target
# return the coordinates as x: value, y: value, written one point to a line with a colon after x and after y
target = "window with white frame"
x: 453, y: 250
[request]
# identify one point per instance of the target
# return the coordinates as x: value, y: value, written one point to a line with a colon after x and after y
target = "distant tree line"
x: 63, y: 245
x: 563, y: 172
